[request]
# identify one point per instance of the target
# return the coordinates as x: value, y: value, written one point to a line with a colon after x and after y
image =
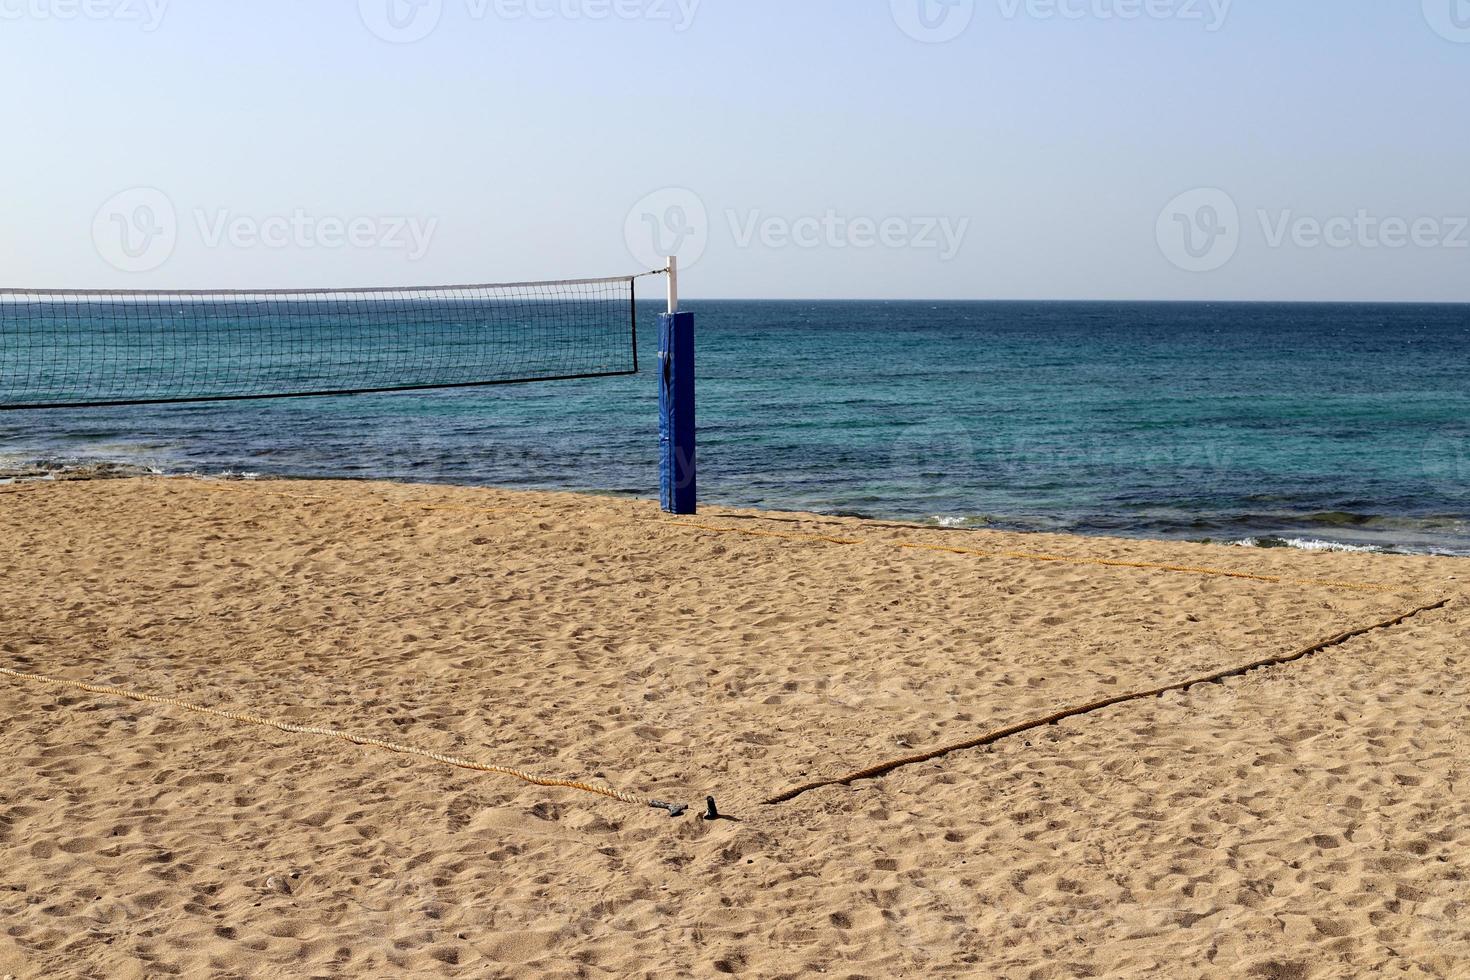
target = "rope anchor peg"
x: 675, y: 809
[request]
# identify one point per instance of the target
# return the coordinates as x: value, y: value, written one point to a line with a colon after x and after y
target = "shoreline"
x: 1304, y: 535
x: 1427, y: 570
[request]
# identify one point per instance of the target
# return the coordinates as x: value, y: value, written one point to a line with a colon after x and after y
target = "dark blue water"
x: 1283, y: 423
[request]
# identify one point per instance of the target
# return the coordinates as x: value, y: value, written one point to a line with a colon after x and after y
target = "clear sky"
x: 1049, y: 149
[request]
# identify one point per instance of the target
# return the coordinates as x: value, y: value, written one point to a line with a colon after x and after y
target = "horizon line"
x: 927, y: 299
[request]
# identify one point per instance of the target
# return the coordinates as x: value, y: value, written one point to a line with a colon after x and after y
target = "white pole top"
x: 673, y: 284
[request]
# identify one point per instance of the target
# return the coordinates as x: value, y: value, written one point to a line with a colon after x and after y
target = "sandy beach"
x: 1307, y: 820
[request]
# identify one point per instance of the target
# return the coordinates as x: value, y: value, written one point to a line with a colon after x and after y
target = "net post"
x: 633, y: 320
x: 677, y: 470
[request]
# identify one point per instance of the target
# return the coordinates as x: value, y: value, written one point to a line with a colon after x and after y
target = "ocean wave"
x: 19, y: 470
x: 943, y: 521
x: 61, y: 470
x: 1309, y: 544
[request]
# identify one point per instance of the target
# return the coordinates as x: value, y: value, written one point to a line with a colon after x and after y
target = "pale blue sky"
x: 514, y: 146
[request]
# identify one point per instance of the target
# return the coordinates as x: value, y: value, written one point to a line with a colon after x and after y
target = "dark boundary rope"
x: 883, y: 768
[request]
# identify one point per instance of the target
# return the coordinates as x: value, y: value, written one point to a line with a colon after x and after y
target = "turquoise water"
x: 1297, y: 424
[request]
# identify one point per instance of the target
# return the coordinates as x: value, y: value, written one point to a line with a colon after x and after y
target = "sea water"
x: 1320, y: 426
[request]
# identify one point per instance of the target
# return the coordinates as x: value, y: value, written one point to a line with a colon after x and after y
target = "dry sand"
x: 1307, y: 820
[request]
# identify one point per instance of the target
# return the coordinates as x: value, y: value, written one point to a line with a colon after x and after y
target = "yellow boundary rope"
x: 990, y: 738
x: 286, y: 726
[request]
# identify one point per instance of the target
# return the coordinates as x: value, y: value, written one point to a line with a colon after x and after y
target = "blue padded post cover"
x: 677, y: 469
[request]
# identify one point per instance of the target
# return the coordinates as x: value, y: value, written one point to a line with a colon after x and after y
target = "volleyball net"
x: 95, y: 348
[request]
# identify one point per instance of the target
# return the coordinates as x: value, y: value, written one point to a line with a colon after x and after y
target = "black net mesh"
x: 77, y: 348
